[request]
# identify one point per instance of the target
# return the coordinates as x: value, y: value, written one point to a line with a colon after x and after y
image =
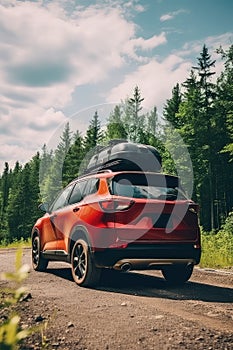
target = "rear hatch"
x: 156, y: 209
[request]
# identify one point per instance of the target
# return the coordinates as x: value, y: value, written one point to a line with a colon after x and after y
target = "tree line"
x: 199, y: 112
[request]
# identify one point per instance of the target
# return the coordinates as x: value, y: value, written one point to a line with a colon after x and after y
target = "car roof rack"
x: 105, y: 167
x: 122, y: 155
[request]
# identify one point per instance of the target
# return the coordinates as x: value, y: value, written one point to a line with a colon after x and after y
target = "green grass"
x: 217, y: 250
x: 215, y: 257
x: 23, y: 243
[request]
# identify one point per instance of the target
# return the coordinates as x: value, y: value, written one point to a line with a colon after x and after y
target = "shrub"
x: 10, y: 333
x: 217, y: 248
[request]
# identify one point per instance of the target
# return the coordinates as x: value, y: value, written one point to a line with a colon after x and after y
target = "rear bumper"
x: 147, y: 256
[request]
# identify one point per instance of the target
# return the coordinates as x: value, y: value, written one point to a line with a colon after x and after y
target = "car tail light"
x: 114, y: 205
x: 193, y: 208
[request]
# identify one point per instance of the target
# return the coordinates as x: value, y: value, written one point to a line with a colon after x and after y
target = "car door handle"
x: 76, y: 209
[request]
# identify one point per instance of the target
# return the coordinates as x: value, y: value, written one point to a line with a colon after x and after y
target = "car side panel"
x: 47, y: 233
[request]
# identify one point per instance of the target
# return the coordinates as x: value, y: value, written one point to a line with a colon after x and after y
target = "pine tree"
x: 34, y: 187
x: 73, y: 159
x: 152, y: 122
x: 153, y: 130
x: 4, y: 198
x: 134, y: 122
x: 92, y: 140
x: 225, y: 92
x: 205, y: 64
x: 44, y: 171
x: 171, y: 108
x: 13, y: 188
x: 52, y: 182
x: 194, y: 131
x: 223, y: 127
x: 192, y: 115
x: 5, y: 182
x: 115, y: 125
x: 94, y: 134
x: 20, y: 204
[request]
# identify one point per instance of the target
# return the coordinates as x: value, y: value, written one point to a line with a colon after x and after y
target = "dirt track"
x: 127, y: 311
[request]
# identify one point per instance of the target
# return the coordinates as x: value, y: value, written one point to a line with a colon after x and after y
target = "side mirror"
x: 44, y: 207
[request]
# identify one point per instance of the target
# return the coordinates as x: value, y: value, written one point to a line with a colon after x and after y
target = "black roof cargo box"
x: 123, y: 155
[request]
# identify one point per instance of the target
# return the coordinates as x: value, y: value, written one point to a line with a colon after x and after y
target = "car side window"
x: 92, y: 186
x: 61, y: 200
x: 83, y: 189
x: 78, y: 192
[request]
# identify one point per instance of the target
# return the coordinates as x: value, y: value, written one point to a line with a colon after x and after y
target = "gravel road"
x: 127, y: 311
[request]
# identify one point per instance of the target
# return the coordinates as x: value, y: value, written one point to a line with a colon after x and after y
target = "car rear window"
x: 150, y: 186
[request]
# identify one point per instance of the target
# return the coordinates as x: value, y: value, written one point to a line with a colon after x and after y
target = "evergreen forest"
x: 199, y: 112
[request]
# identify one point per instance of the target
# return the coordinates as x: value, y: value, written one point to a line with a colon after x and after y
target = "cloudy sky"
x: 60, y: 58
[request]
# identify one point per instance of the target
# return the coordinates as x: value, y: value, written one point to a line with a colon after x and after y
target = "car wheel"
x: 38, y: 262
x: 84, y: 271
x: 177, y: 274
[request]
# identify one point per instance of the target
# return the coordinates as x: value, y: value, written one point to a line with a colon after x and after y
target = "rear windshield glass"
x: 150, y: 186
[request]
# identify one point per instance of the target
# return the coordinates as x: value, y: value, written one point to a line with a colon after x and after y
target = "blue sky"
x: 60, y: 57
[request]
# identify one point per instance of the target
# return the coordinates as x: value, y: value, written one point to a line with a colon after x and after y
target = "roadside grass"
x: 22, y: 243
x: 11, y: 332
x: 217, y: 248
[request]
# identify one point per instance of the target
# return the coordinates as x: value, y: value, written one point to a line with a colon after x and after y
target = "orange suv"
x: 122, y: 220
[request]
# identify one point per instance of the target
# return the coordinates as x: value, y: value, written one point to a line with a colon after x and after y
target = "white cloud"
x: 166, y: 17
x: 171, y: 15
x: 129, y: 7
x: 47, y: 49
x: 151, y: 43
x: 144, y: 45
x: 29, y: 132
x: 155, y: 80
x: 212, y: 43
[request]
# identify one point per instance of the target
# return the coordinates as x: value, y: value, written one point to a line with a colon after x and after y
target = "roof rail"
x: 92, y: 173
x: 104, y: 171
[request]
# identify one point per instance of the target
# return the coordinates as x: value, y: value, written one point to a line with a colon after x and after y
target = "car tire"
x: 84, y: 271
x: 38, y: 262
x: 177, y: 274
